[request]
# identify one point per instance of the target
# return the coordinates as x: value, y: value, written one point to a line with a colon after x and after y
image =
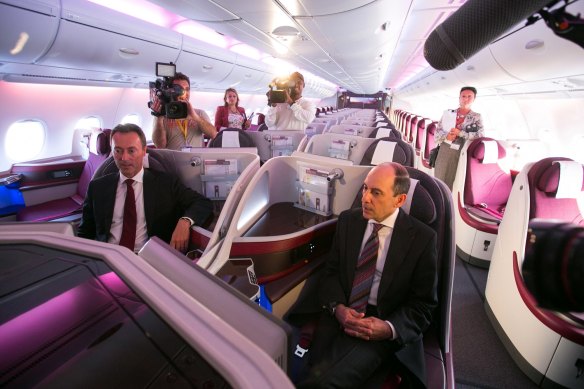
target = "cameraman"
x: 176, y: 134
x: 296, y: 113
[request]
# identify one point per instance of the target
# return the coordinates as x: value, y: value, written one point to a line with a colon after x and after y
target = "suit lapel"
x: 354, y: 240
x: 149, y: 183
x: 401, y: 239
x: 110, y: 188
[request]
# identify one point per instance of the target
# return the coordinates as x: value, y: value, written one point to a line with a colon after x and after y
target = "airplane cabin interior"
x: 386, y: 80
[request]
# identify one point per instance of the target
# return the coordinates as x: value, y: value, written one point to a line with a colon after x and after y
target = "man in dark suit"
x: 164, y: 206
x: 383, y: 325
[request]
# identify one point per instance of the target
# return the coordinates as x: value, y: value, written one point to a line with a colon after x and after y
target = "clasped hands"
x: 453, y: 134
x: 357, y: 325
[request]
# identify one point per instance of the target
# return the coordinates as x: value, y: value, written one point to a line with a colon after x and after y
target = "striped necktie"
x: 365, y: 271
x: 128, y: 237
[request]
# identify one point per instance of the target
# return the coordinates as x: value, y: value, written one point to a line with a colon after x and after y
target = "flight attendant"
x: 455, y: 127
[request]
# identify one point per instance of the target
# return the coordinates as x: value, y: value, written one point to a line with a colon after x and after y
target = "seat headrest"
x: 419, y: 203
x: 99, y: 142
x: 563, y: 179
x: 488, y: 151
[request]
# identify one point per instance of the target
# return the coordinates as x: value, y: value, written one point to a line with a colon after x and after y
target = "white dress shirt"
x: 384, y: 235
x: 118, y: 215
x: 291, y: 117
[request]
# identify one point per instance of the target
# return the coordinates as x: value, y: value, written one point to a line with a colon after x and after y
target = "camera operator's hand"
x: 289, y: 99
x: 155, y: 104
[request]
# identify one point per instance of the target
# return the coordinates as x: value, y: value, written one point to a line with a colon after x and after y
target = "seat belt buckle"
x: 299, y: 352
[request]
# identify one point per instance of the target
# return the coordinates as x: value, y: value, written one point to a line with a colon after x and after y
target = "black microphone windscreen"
x: 474, y: 26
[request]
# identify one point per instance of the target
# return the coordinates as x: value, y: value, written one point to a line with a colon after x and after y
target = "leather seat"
x: 99, y: 150
x: 546, y: 345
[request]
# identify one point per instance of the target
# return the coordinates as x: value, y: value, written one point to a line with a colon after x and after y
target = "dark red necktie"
x: 128, y: 238
x: 365, y: 271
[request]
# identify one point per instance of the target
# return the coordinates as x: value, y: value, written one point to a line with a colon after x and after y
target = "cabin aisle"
x: 480, y: 359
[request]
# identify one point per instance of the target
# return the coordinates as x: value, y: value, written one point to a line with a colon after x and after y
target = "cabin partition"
x: 285, y: 221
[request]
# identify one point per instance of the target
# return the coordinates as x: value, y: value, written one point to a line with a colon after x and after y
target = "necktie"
x: 365, y: 271
x: 128, y: 238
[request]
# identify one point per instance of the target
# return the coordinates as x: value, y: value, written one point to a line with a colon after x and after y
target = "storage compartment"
x: 28, y: 29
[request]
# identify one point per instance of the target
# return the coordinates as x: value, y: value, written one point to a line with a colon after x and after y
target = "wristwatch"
x: 331, y: 307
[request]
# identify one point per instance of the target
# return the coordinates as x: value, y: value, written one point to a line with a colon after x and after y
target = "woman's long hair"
x: 225, y: 96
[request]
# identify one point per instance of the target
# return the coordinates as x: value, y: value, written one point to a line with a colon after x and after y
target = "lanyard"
x: 183, y: 125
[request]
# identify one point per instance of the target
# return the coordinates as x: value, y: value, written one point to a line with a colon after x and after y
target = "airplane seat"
x: 232, y: 137
x: 285, y: 221
x: 481, y: 191
x: 347, y: 147
x: 352, y: 129
x: 220, y: 174
x: 277, y: 143
x: 99, y: 150
x: 385, y: 132
x: 314, y: 128
x: 548, y: 189
x: 429, y: 144
x: 413, y: 130
x: 420, y: 139
x: 429, y: 201
x: 397, y: 150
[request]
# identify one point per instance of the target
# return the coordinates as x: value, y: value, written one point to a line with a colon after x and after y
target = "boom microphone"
x: 472, y: 27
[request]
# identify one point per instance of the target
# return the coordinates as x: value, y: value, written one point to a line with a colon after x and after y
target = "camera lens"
x: 553, y: 268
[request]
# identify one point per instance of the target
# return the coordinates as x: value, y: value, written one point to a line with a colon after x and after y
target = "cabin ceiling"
x: 362, y: 45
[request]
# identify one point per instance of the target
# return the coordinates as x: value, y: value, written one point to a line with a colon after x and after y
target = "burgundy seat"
x: 430, y: 144
x: 487, y: 186
x: 546, y: 200
x: 544, y: 191
x: 420, y: 132
x: 99, y: 149
x: 413, y: 129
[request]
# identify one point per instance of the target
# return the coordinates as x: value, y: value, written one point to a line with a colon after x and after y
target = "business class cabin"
x: 279, y: 194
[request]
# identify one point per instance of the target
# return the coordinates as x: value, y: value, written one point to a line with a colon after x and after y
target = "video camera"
x: 278, y: 88
x: 164, y: 94
x: 553, y: 269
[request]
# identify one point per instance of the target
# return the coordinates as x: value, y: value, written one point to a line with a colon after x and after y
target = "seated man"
x: 159, y: 205
x: 296, y: 112
x: 378, y: 290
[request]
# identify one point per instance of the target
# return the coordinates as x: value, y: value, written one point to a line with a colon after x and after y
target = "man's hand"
x: 357, y: 325
x: 289, y: 99
x: 181, y: 235
x: 191, y: 112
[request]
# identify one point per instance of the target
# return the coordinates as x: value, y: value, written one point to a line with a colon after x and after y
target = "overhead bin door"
x: 92, y: 37
x: 27, y: 31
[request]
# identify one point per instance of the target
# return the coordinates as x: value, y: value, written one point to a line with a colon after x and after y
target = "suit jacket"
x: 407, y: 291
x: 166, y: 200
x: 222, y: 116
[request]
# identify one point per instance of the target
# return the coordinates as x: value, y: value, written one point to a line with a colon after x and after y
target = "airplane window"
x: 133, y: 118
x: 88, y: 123
x: 25, y: 140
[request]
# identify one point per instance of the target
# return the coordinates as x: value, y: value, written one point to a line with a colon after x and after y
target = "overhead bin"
x: 28, y: 29
x: 92, y: 37
x: 206, y: 65
x: 536, y: 53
